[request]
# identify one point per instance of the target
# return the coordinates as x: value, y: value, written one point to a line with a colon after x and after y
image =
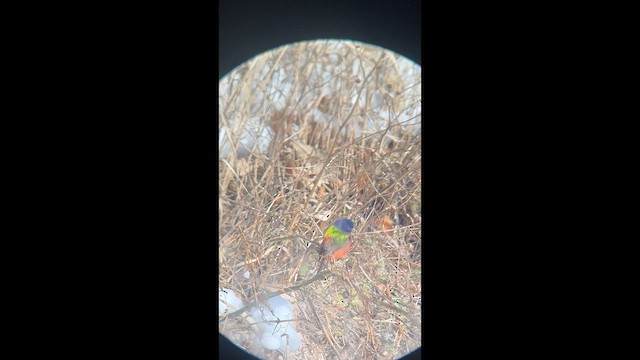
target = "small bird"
x: 336, y: 242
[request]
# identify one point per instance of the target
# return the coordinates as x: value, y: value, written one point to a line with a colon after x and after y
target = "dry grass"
x: 343, y: 125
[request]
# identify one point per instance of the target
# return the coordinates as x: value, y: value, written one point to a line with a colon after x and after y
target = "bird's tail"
x: 322, y: 258
x: 323, y: 261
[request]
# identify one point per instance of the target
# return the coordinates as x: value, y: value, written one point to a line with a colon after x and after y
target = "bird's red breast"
x: 341, y: 253
x: 338, y: 253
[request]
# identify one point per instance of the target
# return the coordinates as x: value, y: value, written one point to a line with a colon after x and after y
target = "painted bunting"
x: 337, y: 241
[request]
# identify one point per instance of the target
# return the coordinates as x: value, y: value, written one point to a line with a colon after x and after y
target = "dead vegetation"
x: 335, y: 131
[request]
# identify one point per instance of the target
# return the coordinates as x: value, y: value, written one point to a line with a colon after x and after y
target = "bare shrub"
x: 334, y: 130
